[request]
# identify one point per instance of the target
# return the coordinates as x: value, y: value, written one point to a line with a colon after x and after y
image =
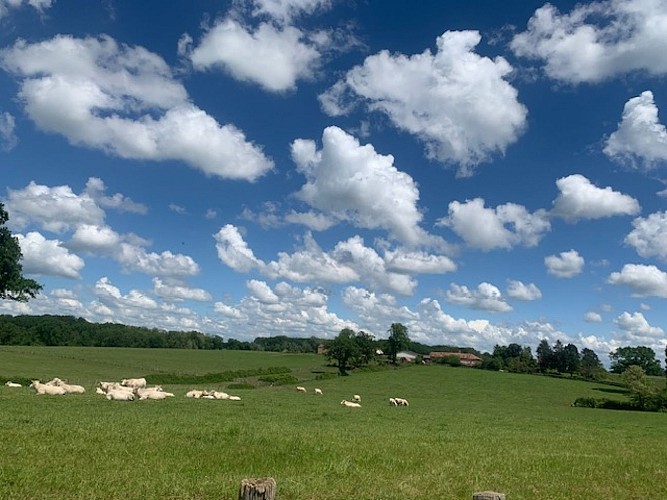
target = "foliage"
x: 344, y: 350
x: 643, y: 394
x: 642, y: 356
x: 397, y: 341
x: 449, y: 360
x: 279, y: 379
x: 514, y: 358
x: 282, y: 343
x: 590, y: 366
x: 13, y: 285
x: 51, y: 330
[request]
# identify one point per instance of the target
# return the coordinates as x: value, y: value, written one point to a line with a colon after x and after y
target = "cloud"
x: 8, y: 139
x: 95, y: 188
x: 48, y: 257
x: 456, y: 102
x: 646, y: 281
x: 593, y: 317
x: 38, y: 5
x: 520, y: 291
x: 597, y: 41
x: 640, y: 137
x: 564, y: 265
x: 580, y: 199
x: 649, y: 236
x: 285, y: 11
x: 342, y: 181
x: 234, y: 251
x: 177, y: 293
x: 101, y: 240
x: 487, y: 228
x: 635, y: 324
x: 402, y: 261
x: 486, y: 297
x: 270, y: 56
x: 167, y: 264
x: 56, y: 209
x: 124, y: 101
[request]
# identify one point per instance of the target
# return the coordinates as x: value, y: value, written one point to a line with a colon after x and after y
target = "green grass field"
x: 465, y: 431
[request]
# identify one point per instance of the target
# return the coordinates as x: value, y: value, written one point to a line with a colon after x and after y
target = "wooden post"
x: 488, y: 495
x: 263, y: 488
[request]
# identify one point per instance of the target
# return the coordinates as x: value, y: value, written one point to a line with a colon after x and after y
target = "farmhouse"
x: 467, y: 359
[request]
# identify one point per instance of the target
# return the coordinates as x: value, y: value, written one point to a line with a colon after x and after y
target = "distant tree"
x: 559, y: 360
x: 642, y: 356
x: 366, y: 344
x: 344, y: 350
x: 397, y: 341
x: 545, y: 356
x: 590, y: 366
x: 643, y: 393
x: 572, y: 359
x: 13, y: 285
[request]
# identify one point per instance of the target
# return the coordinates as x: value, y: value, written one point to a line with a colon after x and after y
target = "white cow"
x: 135, y: 383
x: 12, y: 384
x: 194, y: 393
x: 300, y: 389
x: 116, y: 395
x: 52, y: 390
x: 318, y: 392
x: 393, y: 402
x: 69, y: 388
x: 350, y: 404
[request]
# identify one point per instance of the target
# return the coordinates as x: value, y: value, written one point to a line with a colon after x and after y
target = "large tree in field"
x: 642, y: 356
x: 13, y: 285
x: 344, y: 350
x: 397, y: 341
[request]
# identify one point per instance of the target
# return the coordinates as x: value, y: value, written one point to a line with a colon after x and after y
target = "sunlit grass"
x: 464, y: 431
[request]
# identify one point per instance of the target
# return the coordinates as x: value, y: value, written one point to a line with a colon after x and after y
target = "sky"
x: 482, y: 172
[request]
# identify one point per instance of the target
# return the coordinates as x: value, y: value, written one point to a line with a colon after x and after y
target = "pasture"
x: 465, y: 430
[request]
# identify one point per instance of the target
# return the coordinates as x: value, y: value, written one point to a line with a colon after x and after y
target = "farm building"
x: 467, y: 359
x: 406, y: 356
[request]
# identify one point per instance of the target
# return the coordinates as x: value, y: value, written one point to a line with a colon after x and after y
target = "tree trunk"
x: 258, y: 489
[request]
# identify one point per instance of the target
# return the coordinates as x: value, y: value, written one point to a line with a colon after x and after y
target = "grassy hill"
x: 465, y: 430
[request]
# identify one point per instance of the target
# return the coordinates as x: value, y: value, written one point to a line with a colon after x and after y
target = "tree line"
x: 48, y: 330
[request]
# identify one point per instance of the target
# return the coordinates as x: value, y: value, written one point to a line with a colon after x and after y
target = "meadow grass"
x: 465, y: 430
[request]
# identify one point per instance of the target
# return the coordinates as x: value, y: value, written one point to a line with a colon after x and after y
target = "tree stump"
x: 488, y: 495
x: 263, y: 488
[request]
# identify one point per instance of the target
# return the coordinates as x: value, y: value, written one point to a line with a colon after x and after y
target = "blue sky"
x: 482, y: 172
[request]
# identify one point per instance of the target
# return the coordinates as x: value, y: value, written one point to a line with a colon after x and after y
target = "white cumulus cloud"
x: 640, y: 138
x: 342, y: 181
x: 645, y: 281
x: 564, y: 265
x: 48, y: 257
x: 597, y: 40
x: 580, y: 199
x: 125, y: 101
x: 486, y: 297
x: 649, y: 236
x: 521, y: 291
x: 505, y: 226
x: 458, y: 103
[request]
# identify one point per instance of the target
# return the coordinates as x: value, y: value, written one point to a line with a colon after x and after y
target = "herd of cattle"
x: 136, y: 388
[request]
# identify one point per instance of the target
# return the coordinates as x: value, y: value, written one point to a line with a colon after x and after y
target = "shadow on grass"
x: 611, y: 390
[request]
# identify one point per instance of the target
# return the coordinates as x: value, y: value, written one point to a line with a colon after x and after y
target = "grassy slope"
x: 465, y: 431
